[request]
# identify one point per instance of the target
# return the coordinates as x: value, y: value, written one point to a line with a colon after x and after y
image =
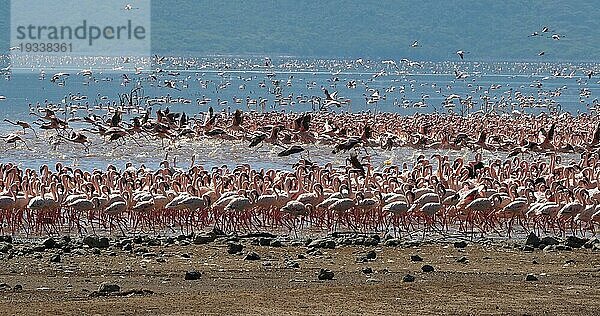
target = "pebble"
x: 427, y: 268
x: 575, y: 242
x: 5, y: 247
x: 49, y: 243
x: 252, y: 256
x: 109, y: 288
x: 276, y: 243
x: 192, y: 275
x: 549, y: 241
x: 533, y: 240
x: 416, y: 258
x: 325, y: 274
x: 460, y: 244
x: 371, y: 255
x: 531, y: 277
x: 233, y: 248
x: 55, y: 258
x: 203, y: 239
x: 408, y: 278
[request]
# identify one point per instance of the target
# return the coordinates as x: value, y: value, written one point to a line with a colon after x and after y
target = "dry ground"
x: 492, y: 282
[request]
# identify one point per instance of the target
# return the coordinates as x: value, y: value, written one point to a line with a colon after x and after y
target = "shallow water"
x: 226, y: 79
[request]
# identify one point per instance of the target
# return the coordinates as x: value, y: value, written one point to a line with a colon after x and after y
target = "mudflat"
x: 251, y: 277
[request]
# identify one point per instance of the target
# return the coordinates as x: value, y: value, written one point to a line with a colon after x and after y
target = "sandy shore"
x: 482, y: 278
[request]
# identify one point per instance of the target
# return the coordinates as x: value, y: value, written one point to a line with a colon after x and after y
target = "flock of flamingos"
x: 532, y: 189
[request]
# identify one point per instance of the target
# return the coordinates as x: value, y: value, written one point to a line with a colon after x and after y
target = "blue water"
x: 224, y: 79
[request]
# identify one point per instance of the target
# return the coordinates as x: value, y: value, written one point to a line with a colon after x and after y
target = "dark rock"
x: 112, y: 254
x: 367, y: 270
x: 531, y: 277
x: 233, y: 248
x: 301, y: 256
x: 192, y: 275
x: 38, y: 248
x: 186, y: 255
x: 329, y: 244
x: 322, y: 243
x: 109, y: 288
x: 141, y: 250
x: 416, y: 258
x: 590, y: 243
x: 427, y: 268
x: 96, y: 251
x: 350, y: 241
x: 6, y: 238
x: 596, y: 247
x: 462, y: 259
x: 264, y: 242
x: 549, y: 241
x: 276, y: 243
x: 49, y: 243
x: 169, y: 240
x: 549, y: 248
x: 575, y: 242
x: 408, y: 278
x: 460, y: 244
x: 528, y: 248
x: 18, y: 288
x: 155, y: 242
x: 204, y: 239
x: 181, y: 237
x: 5, y: 287
x: 5, y: 247
x: 96, y: 242
x: 138, y: 239
x: 393, y: 242
x: 563, y: 248
x: 55, y: 258
x: 534, y: 262
x: 372, y: 241
x: 252, y: 256
x: 411, y: 244
x: 371, y: 255
x: 325, y: 274
x: 127, y: 247
x: 532, y: 240
x: 570, y: 261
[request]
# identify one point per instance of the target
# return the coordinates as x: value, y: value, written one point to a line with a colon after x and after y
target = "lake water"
x: 227, y: 79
